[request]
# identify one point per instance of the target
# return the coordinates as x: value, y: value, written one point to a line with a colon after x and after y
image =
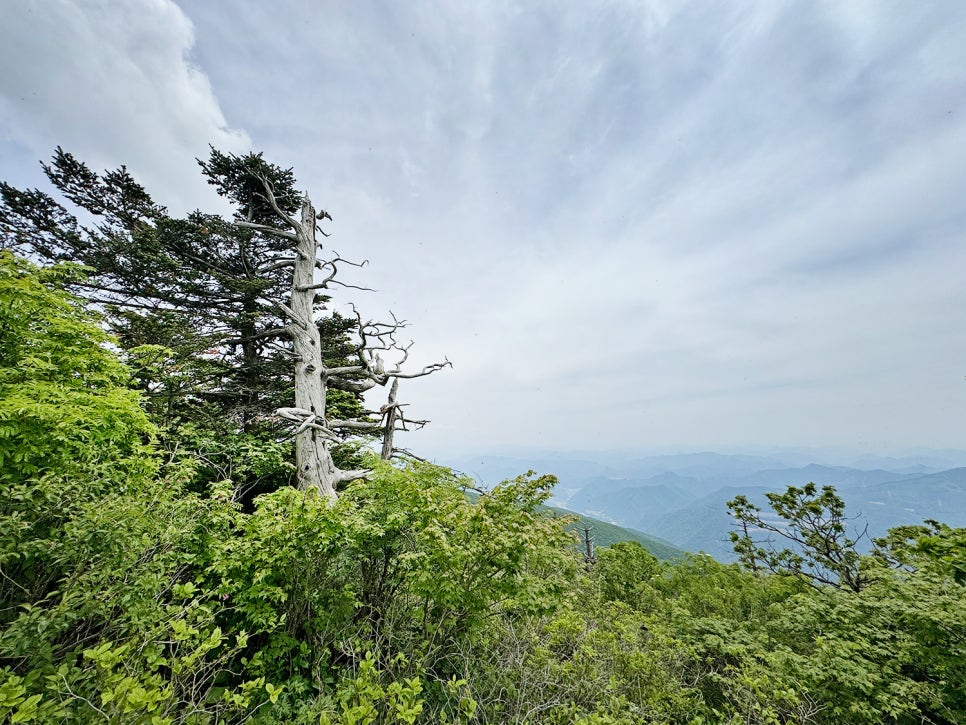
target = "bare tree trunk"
x: 315, y: 469
x: 314, y: 466
x: 392, y: 413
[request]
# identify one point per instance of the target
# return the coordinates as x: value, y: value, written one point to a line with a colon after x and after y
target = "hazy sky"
x: 657, y: 224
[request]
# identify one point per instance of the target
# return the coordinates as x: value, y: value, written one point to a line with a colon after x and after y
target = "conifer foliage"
x: 211, y: 313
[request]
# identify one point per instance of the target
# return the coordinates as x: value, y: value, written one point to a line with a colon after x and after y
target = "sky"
x: 658, y: 225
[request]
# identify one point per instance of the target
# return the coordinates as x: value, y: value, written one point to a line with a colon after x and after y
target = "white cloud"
x: 624, y: 222
x: 114, y: 84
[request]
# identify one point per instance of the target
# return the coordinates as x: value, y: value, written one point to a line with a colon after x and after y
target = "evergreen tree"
x: 194, y: 301
x: 196, y: 285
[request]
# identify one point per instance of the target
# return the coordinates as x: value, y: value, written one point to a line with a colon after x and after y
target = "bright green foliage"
x: 64, y: 402
x: 403, y: 563
x: 100, y: 614
x: 590, y: 661
x: 128, y: 633
x: 362, y: 699
x: 890, y: 653
x: 821, y: 552
x: 942, y: 548
x: 625, y: 569
x: 882, y: 644
x: 70, y: 431
x: 714, y: 614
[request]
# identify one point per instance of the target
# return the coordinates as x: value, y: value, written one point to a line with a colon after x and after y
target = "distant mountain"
x: 940, y: 496
x: 702, y: 465
x: 491, y: 470
x: 682, y: 498
x: 842, y: 477
x: 703, y: 524
x: 671, y: 489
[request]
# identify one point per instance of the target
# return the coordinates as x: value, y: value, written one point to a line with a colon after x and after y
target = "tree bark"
x: 392, y: 413
x: 315, y: 469
x: 314, y: 466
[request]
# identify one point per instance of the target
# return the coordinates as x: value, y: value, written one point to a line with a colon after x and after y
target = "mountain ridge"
x: 682, y: 498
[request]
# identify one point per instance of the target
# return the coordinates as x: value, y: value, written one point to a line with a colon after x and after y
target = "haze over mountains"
x: 682, y: 498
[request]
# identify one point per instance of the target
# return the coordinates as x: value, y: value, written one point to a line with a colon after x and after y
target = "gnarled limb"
x: 314, y: 466
x: 394, y: 419
x: 268, y: 230
x: 312, y: 430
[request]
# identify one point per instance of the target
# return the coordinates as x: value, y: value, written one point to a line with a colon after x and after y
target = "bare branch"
x: 403, y: 422
x: 466, y: 485
x: 428, y: 370
x: 345, y: 370
x: 345, y: 285
x: 304, y: 324
x: 352, y: 424
x: 296, y: 414
x: 287, y: 312
x: 269, y: 196
x: 287, y: 262
x: 343, y: 476
x: 306, y: 420
x: 406, y: 453
x: 267, y: 229
x: 340, y: 258
x: 353, y: 386
x: 330, y: 280
x: 274, y: 332
x: 309, y: 422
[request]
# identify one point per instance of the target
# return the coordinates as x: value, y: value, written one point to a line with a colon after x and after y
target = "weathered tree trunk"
x: 315, y: 469
x: 313, y: 462
x: 392, y: 413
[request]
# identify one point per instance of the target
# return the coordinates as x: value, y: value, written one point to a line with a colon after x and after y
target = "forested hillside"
x: 185, y: 539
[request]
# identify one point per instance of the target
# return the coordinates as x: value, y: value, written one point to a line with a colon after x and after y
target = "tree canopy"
x: 204, y: 306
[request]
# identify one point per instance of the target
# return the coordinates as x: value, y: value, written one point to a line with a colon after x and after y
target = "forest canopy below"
x: 202, y: 522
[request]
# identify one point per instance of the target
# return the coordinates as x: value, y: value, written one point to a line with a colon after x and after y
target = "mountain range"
x: 682, y: 498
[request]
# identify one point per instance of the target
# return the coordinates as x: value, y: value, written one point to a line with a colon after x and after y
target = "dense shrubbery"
x: 136, y: 589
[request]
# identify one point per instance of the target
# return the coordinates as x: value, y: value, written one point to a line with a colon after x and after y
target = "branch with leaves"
x: 813, y: 523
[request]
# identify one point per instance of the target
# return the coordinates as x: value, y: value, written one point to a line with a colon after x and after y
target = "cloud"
x: 114, y: 84
x: 766, y: 256
x: 665, y: 223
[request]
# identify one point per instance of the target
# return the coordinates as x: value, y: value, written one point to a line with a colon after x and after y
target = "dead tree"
x: 314, y: 432
x: 394, y: 419
x: 391, y: 412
